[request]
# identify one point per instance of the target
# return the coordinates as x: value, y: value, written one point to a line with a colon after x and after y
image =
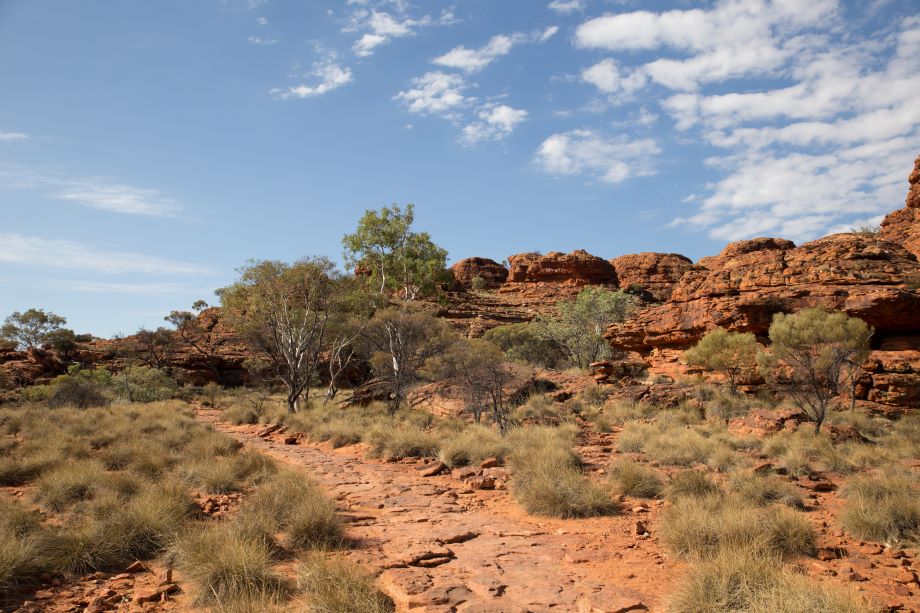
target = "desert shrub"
x: 699, y: 528
x: 144, y: 384
x: 69, y: 483
x: 634, y: 479
x: 691, y: 483
x: 684, y: 447
x: 883, y: 507
x: 290, y: 503
x: 754, y: 582
x: 789, y: 533
x: 478, y: 283
x: 593, y: 395
x: 725, y: 406
x: 338, y: 586
x: 226, y: 567
x: 472, y: 445
x: 733, y: 354
x: 547, y: 478
x: 523, y: 343
x: 68, y: 391
x: 541, y: 409
x: 339, y: 431
x: 20, y: 558
x: 633, y: 436
x: 396, y: 441
x: 762, y: 491
x: 728, y: 581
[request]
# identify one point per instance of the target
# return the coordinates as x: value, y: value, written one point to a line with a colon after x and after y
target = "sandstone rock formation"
x: 903, y: 226
x: 656, y: 273
x: 490, y: 271
x: 576, y: 268
x: 750, y: 281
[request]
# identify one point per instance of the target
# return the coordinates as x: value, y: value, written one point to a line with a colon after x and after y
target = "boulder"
x: 903, y: 226
x: 491, y: 272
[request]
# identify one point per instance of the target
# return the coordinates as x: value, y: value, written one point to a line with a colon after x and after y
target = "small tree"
x: 524, y: 342
x: 204, y: 339
x: 578, y: 325
x: 283, y: 310
x: 353, y: 308
x: 814, y: 353
x: 31, y: 329
x: 733, y: 354
x: 402, y: 341
x: 395, y: 258
x: 478, y: 368
x: 154, y: 348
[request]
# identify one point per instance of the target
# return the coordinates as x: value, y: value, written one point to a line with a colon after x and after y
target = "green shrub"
x: 143, y: 384
x: 523, y: 343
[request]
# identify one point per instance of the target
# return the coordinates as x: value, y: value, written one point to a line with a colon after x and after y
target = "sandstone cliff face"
x: 656, y: 273
x: 750, y: 281
x: 903, y: 226
x: 490, y: 271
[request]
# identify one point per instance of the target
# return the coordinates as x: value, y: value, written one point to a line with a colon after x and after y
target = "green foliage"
x: 578, y: 325
x: 524, y: 343
x: 403, y: 342
x: 476, y: 367
x: 143, y: 384
x: 814, y: 354
x: 32, y: 328
x: 395, y: 258
x: 478, y: 283
x: 730, y: 353
x: 283, y: 310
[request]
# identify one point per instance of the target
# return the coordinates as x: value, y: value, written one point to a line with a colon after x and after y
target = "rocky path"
x: 442, y: 546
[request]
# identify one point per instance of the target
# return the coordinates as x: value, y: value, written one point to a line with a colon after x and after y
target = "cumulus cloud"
x: 72, y: 255
x: 379, y: 27
x: 258, y: 40
x: 435, y: 93
x: 495, y: 121
x: 474, y: 60
x: 610, y: 159
x: 817, y: 122
x: 326, y: 75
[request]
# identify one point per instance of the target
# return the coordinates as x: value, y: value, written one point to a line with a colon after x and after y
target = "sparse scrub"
x: 884, y: 507
x: 472, y: 445
x: 540, y: 409
x: 396, y: 441
x: 226, y: 567
x: 634, y: 479
x: 762, y: 491
x: 338, y: 586
x: 547, y: 479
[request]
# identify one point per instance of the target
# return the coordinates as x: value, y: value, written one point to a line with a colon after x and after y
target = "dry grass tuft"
x: 884, y: 507
x: 338, y: 586
x: 634, y: 479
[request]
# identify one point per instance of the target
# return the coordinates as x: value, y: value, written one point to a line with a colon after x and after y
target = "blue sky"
x: 147, y: 149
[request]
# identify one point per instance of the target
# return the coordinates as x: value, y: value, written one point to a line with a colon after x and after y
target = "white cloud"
x: 732, y: 39
x: 566, y: 6
x: 496, y: 121
x: 327, y: 74
x: 379, y: 27
x: 117, y: 198
x: 95, y: 192
x: 436, y: 93
x: 258, y: 40
x: 139, y: 289
x: 12, y: 137
x: 611, y: 159
x: 262, y: 21
x: 474, y: 60
x: 72, y: 255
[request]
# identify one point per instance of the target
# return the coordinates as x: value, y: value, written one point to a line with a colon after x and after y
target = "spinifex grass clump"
x: 547, y: 477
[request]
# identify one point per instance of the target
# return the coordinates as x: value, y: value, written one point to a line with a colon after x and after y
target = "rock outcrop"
x: 903, y: 226
x: 750, y: 281
x: 576, y: 268
x: 655, y: 273
x: 491, y: 272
